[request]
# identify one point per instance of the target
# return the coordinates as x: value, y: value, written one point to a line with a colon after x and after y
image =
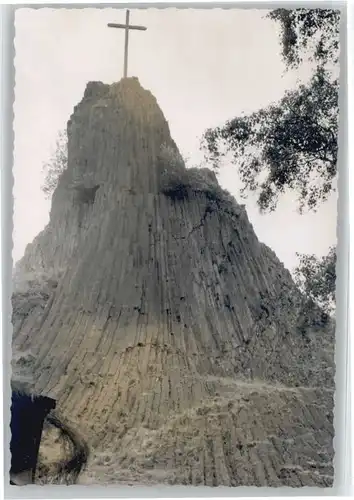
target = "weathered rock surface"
x: 168, y: 333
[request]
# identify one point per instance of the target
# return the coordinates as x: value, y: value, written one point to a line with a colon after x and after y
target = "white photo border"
x: 344, y: 476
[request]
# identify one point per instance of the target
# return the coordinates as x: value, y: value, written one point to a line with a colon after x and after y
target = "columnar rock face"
x: 167, y: 332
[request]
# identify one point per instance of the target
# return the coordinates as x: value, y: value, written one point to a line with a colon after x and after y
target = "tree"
x: 316, y: 278
x: 291, y: 144
x: 312, y: 32
x: 56, y: 165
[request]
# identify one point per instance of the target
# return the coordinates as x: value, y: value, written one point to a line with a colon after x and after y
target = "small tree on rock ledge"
x: 56, y: 165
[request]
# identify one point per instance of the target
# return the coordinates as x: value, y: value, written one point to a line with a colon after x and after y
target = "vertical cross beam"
x: 126, y: 27
x: 126, y: 41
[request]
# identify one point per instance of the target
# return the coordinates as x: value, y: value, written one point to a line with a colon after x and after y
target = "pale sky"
x: 203, y: 67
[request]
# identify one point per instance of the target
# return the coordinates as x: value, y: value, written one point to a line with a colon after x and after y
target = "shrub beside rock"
x: 179, y: 182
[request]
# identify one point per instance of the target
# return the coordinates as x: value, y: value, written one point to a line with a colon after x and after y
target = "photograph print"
x: 174, y: 247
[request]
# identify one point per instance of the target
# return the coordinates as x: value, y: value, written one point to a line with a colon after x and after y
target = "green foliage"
x: 176, y: 180
x: 179, y: 182
x: 316, y: 278
x: 291, y: 144
x: 56, y: 165
x: 312, y: 32
x: 175, y: 185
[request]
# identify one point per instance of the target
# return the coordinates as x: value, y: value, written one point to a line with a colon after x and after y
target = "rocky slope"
x: 168, y: 333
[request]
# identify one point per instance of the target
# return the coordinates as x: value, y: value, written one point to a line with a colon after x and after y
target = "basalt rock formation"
x: 166, y: 331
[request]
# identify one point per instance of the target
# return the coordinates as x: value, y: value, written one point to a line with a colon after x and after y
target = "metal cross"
x: 127, y: 27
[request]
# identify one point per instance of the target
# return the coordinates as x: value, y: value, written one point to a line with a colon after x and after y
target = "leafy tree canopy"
x: 316, y: 278
x: 291, y: 144
x: 314, y: 32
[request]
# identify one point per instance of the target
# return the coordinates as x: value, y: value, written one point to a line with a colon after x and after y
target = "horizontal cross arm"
x: 129, y: 26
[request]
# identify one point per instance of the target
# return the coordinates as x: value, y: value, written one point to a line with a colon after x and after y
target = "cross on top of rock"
x: 127, y: 27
